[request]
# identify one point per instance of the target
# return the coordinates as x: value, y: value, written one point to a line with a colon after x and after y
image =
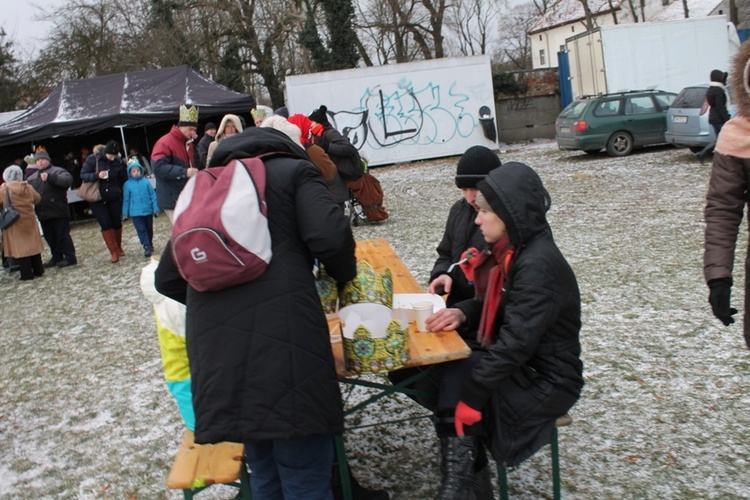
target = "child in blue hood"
x: 139, y: 203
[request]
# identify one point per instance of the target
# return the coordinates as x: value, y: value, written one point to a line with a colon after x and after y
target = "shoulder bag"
x: 9, y: 215
x: 89, y: 191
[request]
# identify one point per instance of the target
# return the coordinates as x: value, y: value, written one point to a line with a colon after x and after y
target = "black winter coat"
x: 532, y: 373
x: 54, y: 192
x: 341, y: 152
x: 260, y: 354
x: 460, y: 234
x: 111, y: 187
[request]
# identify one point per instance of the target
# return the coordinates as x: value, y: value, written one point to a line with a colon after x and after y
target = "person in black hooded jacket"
x: 261, y: 363
x: 528, y: 321
x: 718, y: 114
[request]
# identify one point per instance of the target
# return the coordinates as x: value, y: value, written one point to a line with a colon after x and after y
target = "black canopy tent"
x: 134, y: 99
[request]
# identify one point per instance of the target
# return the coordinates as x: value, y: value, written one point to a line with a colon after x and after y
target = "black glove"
x: 720, y: 290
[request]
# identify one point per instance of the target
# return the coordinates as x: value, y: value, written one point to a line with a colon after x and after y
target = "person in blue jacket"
x: 139, y: 203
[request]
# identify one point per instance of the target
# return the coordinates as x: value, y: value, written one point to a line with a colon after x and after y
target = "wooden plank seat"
x: 562, y: 421
x: 198, y: 466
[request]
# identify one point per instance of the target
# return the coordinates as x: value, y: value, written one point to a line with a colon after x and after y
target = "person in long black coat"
x: 261, y: 362
x: 531, y: 371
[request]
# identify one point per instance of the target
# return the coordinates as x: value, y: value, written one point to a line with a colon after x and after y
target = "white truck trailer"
x: 404, y: 112
x: 665, y: 55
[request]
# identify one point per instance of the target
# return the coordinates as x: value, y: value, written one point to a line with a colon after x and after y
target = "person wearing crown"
x: 173, y: 159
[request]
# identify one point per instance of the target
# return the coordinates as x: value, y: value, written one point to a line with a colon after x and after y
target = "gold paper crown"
x: 188, y: 116
x: 368, y: 287
x: 363, y: 354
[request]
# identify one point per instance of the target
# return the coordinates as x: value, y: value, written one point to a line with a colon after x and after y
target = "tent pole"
x: 124, y: 145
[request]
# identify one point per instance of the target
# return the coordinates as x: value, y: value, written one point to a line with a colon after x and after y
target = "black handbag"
x: 9, y: 215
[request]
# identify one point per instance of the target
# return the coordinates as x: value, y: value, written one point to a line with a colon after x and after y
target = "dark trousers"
x: 30, y: 266
x: 108, y: 213
x: 446, y: 380
x: 144, y: 226
x: 710, y: 148
x: 57, y: 236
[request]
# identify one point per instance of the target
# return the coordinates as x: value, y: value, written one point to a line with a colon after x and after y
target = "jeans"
x: 144, y: 226
x: 291, y: 469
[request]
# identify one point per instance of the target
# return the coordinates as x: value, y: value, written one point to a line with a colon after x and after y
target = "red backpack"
x: 220, y: 235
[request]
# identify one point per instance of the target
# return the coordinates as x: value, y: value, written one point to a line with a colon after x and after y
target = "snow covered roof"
x: 565, y: 12
x: 568, y: 11
x: 126, y: 99
x: 675, y: 10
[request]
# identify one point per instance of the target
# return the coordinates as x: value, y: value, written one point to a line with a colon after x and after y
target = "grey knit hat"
x: 13, y: 173
x: 42, y: 154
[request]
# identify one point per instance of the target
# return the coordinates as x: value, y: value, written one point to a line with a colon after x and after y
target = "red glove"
x: 465, y: 415
x: 471, y: 258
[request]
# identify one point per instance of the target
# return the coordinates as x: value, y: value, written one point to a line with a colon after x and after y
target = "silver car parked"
x: 687, y: 119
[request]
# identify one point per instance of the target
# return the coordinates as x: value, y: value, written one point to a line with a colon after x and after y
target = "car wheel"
x: 620, y: 144
x: 695, y: 149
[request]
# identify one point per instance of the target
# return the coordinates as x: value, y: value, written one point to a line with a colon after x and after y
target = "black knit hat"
x: 319, y: 115
x: 209, y: 126
x: 112, y: 148
x: 474, y: 166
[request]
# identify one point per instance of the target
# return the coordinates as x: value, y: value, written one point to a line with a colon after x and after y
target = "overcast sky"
x: 17, y: 18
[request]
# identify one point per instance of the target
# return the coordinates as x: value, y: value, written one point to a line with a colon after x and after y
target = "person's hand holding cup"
x: 423, y: 309
x: 104, y: 174
x: 43, y: 176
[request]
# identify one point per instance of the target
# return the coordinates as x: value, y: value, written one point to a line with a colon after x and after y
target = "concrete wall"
x: 532, y: 115
x: 524, y: 118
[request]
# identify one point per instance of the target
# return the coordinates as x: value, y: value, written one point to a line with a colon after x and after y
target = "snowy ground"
x: 84, y: 412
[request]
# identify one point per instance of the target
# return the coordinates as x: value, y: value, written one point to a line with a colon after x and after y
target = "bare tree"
x: 589, y: 21
x: 514, y: 51
x: 471, y: 23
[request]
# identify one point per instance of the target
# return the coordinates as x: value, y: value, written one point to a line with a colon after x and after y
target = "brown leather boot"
x: 118, y: 241
x: 109, y: 239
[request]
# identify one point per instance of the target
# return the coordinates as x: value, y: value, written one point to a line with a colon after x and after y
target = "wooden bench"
x: 198, y: 466
x: 563, y: 421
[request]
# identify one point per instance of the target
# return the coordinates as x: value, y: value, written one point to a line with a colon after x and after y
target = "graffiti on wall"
x: 400, y: 114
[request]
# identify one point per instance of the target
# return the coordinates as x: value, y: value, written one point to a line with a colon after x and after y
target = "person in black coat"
x: 718, y: 114
x: 106, y: 166
x: 341, y: 151
x: 461, y: 233
x: 528, y: 322
x: 52, y: 184
x: 262, y: 367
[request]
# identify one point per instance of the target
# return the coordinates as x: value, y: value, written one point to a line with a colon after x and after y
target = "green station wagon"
x: 618, y: 122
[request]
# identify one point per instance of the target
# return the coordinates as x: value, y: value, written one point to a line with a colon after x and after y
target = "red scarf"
x: 489, y: 273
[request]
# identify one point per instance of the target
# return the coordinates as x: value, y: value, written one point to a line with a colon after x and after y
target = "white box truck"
x: 404, y: 112
x: 665, y: 55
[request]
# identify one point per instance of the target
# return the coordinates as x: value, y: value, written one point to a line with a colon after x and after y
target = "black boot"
x: 457, y: 466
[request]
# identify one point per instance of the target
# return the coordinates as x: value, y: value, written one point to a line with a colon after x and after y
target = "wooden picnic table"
x: 425, y: 348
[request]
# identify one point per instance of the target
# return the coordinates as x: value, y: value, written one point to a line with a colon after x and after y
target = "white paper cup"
x: 422, y: 311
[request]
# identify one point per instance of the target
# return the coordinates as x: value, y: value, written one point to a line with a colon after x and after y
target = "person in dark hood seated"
x: 527, y: 314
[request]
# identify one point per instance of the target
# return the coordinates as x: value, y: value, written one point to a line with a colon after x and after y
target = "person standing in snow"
x: 727, y: 198
x: 718, y: 114
x: 261, y: 364
x: 139, y: 203
x: 173, y: 159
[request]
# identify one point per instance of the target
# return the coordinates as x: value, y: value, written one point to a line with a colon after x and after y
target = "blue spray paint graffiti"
x: 399, y: 114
